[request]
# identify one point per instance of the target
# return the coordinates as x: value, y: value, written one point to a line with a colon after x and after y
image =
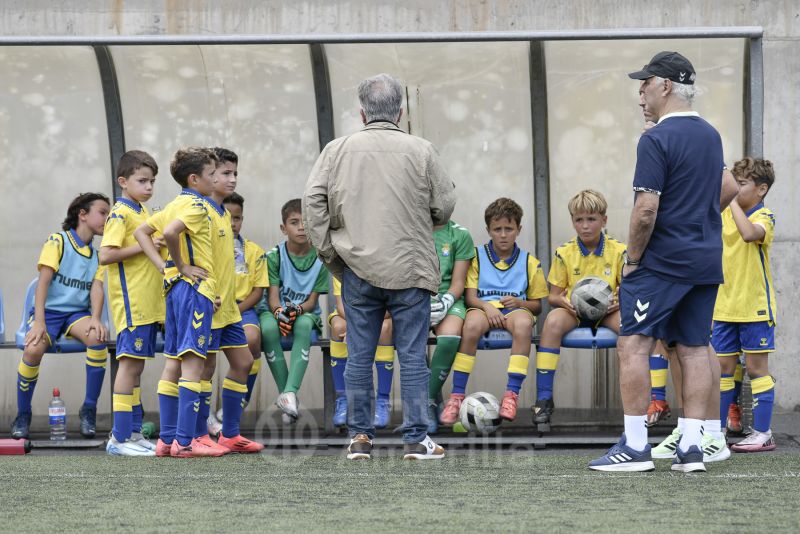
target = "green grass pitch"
x: 467, y: 492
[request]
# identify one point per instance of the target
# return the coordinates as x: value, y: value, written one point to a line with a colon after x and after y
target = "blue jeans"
x: 365, y: 306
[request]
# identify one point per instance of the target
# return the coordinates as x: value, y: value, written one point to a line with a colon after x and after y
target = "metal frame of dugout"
x: 753, y: 112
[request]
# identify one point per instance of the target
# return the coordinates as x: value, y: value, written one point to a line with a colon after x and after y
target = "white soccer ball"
x: 591, y: 297
x: 480, y: 412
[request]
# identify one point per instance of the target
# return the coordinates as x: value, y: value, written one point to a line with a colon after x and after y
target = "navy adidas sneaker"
x: 620, y: 457
x: 690, y: 461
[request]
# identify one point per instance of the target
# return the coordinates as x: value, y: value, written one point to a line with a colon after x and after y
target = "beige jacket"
x: 371, y: 203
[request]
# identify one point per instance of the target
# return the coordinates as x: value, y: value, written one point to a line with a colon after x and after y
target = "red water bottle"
x: 14, y: 446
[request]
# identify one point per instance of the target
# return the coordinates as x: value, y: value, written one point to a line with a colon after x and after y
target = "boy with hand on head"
x: 227, y: 332
x: 590, y: 253
x: 192, y: 296
x: 504, y: 289
x: 69, y: 301
x: 745, y: 313
x: 251, y: 279
x: 135, y: 298
x: 384, y: 363
x: 296, y: 280
x: 456, y: 250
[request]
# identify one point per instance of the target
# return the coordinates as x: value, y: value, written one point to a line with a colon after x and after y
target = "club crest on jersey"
x: 607, y: 270
x: 576, y: 271
x: 446, y: 249
x: 138, y: 344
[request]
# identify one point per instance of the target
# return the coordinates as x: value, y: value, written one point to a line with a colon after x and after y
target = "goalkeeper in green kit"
x: 456, y: 249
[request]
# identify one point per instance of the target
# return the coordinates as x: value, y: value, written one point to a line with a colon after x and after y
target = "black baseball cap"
x: 668, y: 65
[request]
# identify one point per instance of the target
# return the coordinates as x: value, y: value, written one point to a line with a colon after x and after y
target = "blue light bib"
x: 494, y: 283
x: 71, y: 284
x: 296, y: 285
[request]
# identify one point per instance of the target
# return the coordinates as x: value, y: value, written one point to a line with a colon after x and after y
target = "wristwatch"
x: 628, y: 261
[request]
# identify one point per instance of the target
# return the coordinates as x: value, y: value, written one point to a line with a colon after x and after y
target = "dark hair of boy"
x: 82, y: 202
x: 189, y: 161
x: 133, y: 160
x: 756, y: 169
x: 503, y: 208
x: 234, y: 198
x: 224, y: 155
x: 293, y: 206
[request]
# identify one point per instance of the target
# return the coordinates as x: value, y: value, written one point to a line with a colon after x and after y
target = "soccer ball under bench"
x: 480, y: 412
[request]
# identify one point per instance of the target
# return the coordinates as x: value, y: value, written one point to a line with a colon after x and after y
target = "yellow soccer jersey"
x: 537, y: 287
x: 134, y: 285
x: 251, y: 268
x: 191, y: 209
x: 224, y: 265
x: 573, y: 261
x: 748, y: 294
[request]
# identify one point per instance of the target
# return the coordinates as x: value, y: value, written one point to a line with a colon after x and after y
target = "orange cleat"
x: 207, y: 442
x: 508, y: 408
x: 241, y: 444
x: 657, y: 411
x: 180, y: 451
x: 734, y: 418
x: 450, y: 413
x: 163, y: 449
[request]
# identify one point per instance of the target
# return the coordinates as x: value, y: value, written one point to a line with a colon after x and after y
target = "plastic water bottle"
x: 58, y: 417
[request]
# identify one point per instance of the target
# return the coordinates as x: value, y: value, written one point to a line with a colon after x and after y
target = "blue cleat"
x: 690, y: 461
x: 340, y: 411
x: 381, y: 413
x: 620, y: 457
x: 433, y: 417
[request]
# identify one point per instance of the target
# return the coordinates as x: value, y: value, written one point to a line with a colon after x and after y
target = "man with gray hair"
x: 369, y: 208
x: 673, y: 265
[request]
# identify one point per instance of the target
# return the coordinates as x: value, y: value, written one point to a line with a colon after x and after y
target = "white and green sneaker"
x: 714, y: 450
x: 666, y: 449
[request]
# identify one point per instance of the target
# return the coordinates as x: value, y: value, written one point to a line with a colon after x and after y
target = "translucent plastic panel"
x: 595, y: 120
x: 55, y: 145
x: 256, y: 100
x: 472, y: 100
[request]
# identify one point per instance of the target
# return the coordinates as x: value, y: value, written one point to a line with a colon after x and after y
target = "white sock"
x: 636, y: 431
x: 680, y: 424
x: 692, y: 433
x: 713, y: 427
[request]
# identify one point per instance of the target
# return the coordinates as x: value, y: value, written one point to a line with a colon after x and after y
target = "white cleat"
x: 756, y: 442
x: 214, y: 424
x: 714, y: 450
x: 287, y: 402
x: 138, y: 439
x: 127, y: 448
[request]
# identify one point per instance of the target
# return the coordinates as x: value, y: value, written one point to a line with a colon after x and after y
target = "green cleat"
x: 714, y: 450
x: 666, y: 449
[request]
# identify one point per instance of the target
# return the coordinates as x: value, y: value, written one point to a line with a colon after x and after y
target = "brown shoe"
x: 424, y: 450
x: 360, y: 448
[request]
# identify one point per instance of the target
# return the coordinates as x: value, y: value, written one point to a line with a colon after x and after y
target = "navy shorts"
x: 188, y: 324
x: 672, y: 311
x: 250, y: 317
x: 57, y: 322
x: 228, y: 337
x: 730, y: 339
x: 138, y: 342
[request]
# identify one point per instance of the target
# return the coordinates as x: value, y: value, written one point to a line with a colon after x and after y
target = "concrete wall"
x: 780, y: 19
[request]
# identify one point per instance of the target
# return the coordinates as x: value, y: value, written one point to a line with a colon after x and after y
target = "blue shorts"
x: 729, y: 339
x: 188, y: 324
x: 228, y: 337
x: 138, y: 342
x: 250, y: 317
x: 57, y: 322
x: 672, y: 311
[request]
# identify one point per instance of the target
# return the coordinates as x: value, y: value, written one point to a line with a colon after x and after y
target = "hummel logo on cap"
x: 668, y: 65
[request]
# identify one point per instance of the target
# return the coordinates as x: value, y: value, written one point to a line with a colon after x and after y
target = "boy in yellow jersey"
x: 135, y: 298
x: 745, y: 313
x: 504, y: 289
x: 590, y: 253
x: 69, y: 301
x: 227, y: 332
x: 192, y: 296
x: 251, y: 279
x: 384, y: 363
